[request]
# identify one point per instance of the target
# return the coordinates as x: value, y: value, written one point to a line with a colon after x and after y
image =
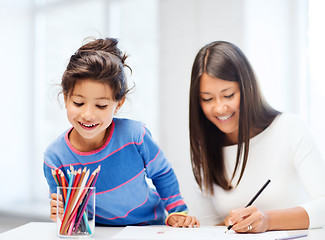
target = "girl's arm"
x: 159, y: 170
x: 182, y: 220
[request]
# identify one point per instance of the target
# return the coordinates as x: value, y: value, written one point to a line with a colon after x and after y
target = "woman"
x: 238, y: 141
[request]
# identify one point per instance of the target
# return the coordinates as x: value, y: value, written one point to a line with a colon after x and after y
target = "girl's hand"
x: 249, y: 219
x: 53, y: 204
x: 180, y: 220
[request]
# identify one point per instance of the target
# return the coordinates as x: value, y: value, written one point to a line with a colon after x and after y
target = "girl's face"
x: 90, y: 109
x: 220, y: 102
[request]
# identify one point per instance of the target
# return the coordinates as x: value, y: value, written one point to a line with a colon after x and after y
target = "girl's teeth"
x: 88, y: 125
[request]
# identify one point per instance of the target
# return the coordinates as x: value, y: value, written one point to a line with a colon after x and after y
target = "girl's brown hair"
x: 225, y: 61
x: 98, y: 60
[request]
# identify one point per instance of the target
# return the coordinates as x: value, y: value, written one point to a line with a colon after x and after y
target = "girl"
x: 94, y: 88
x: 238, y: 141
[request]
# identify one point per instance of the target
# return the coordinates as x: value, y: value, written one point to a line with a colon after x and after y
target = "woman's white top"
x: 285, y: 153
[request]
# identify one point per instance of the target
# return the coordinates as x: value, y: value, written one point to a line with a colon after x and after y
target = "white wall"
x: 275, y: 39
x: 162, y: 38
x: 37, y: 40
x: 316, y: 53
x: 16, y: 120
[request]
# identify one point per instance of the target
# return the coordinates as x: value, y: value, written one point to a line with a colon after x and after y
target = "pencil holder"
x: 78, y: 218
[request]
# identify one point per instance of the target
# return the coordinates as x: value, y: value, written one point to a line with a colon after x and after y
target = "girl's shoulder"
x: 127, y: 124
x: 58, y: 143
x: 129, y: 127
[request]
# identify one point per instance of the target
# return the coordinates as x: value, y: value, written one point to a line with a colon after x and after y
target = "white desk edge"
x: 47, y: 231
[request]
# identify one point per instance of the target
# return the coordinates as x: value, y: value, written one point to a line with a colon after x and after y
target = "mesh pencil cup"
x: 78, y: 218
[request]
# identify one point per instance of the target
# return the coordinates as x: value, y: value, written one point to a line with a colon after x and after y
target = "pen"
x: 253, y: 199
x: 293, y: 237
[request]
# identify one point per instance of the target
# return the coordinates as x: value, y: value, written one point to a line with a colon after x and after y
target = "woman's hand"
x: 249, y: 219
x: 53, y: 204
x: 180, y: 220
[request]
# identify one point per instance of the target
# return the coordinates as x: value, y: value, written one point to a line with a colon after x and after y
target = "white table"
x: 47, y: 231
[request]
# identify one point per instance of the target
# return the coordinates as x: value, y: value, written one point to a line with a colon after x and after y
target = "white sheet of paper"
x: 165, y: 232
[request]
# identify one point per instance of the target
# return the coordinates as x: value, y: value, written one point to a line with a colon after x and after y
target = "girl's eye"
x: 78, y: 104
x: 101, y: 106
x: 230, y: 96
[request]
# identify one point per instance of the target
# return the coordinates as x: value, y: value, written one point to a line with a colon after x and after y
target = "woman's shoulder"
x: 289, y: 124
x: 285, y: 125
x: 290, y: 120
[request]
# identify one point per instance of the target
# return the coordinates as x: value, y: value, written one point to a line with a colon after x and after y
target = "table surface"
x: 47, y: 231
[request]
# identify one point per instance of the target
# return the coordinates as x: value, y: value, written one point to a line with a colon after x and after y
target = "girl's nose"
x: 88, y: 113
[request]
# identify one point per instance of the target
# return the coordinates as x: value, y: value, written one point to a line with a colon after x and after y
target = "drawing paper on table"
x: 204, y: 232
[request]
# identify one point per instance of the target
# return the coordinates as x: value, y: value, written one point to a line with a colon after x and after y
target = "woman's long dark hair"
x: 225, y: 61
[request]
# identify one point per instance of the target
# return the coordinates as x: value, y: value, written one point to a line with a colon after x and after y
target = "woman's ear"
x: 119, y: 105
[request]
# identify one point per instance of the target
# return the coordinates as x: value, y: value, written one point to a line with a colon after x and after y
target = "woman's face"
x: 220, y: 102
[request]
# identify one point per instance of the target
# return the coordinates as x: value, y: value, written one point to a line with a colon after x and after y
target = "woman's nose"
x: 219, y: 107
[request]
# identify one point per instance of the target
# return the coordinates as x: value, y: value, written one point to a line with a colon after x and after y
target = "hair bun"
x: 107, y: 44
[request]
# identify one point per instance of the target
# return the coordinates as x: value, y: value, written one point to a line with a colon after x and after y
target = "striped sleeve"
x: 159, y: 170
x: 47, y: 166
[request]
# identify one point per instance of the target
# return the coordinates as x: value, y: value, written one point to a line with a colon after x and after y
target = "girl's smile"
x: 88, y: 126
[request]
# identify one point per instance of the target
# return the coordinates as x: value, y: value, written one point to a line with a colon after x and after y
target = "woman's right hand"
x: 54, y: 207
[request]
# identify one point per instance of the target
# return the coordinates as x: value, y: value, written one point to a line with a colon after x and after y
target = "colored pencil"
x: 76, y: 195
x: 63, y: 228
x: 58, y: 176
x: 293, y: 237
x: 84, y: 203
x: 71, y: 179
x: 64, y: 186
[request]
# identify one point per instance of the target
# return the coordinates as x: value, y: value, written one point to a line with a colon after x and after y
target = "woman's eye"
x: 206, y: 99
x: 230, y: 96
x: 78, y: 104
x: 101, y: 106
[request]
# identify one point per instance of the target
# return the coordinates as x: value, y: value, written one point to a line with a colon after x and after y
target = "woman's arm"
x: 251, y: 219
x: 291, y: 218
x: 309, y: 166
